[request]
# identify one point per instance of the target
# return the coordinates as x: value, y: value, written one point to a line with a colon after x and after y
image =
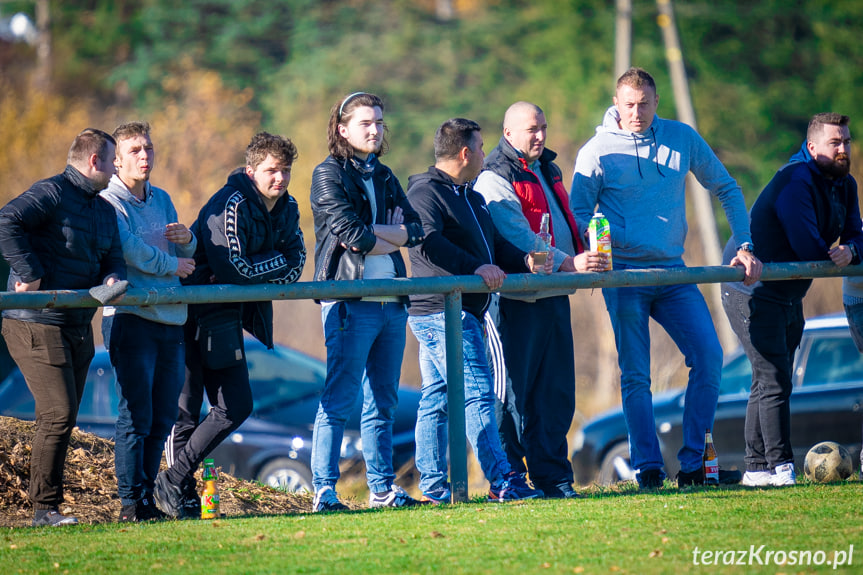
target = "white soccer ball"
x: 827, y: 462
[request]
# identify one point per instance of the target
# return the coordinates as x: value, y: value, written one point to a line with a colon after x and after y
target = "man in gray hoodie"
x: 635, y: 170
x: 145, y: 342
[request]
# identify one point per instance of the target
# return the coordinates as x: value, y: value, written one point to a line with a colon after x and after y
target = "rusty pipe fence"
x: 452, y: 288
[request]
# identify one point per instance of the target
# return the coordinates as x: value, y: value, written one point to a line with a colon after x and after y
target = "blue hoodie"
x: 151, y: 259
x: 639, y: 179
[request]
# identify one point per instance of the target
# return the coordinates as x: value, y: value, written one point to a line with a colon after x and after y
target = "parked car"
x: 273, y: 445
x: 826, y: 404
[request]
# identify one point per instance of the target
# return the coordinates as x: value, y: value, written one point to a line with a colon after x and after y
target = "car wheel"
x: 615, y: 465
x: 287, y: 474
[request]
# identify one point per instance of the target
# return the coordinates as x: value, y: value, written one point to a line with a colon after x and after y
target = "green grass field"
x: 619, y: 531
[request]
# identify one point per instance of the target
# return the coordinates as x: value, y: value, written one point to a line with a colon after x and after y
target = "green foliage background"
x: 757, y: 70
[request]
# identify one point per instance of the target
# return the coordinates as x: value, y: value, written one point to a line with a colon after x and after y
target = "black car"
x: 274, y: 444
x: 826, y: 405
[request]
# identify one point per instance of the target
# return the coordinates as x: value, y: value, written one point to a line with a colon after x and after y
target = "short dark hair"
x: 90, y: 141
x: 131, y: 129
x: 818, y: 121
x: 341, y: 113
x: 452, y: 136
x: 636, y: 78
x: 264, y: 144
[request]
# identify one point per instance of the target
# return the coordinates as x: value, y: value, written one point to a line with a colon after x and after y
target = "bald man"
x: 520, y: 182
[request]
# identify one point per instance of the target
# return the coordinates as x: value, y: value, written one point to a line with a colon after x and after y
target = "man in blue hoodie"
x: 635, y: 170
x: 808, y: 205
x: 145, y: 342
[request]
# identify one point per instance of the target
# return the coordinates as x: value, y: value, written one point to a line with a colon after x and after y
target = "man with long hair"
x: 362, y: 218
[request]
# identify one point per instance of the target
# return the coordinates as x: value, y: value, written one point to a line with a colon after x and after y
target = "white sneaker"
x: 395, y: 497
x: 783, y: 475
x: 756, y: 479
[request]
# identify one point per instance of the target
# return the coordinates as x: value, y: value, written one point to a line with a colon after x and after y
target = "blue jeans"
x: 365, y: 343
x: 149, y: 360
x: 682, y: 312
x: 431, y: 428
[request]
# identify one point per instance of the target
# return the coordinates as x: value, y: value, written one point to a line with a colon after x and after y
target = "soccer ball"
x: 828, y: 461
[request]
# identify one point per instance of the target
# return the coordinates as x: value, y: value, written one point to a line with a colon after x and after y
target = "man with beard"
x: 59, y: 234
x: 806, y: 207
x: 145, y: 342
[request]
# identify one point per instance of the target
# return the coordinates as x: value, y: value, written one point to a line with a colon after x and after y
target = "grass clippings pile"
x: 90, y: 488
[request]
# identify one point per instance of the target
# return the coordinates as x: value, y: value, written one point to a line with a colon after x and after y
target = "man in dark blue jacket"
x: 248, y: 233
x: 59, y: 234
x: 460, y: 239
x: 808, y: 205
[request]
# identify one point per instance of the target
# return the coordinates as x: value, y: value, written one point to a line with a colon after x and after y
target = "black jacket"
x: 459, y: 237
x: 343, y: 216
x: 240, y: 242
x: 62, y: 232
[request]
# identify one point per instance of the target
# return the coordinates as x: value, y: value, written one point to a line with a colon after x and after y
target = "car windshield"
x: 736, y: 375
x: 282, y: 375
x: 833, y: 359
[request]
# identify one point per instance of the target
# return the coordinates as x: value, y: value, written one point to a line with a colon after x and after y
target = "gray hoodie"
x: 639, y: 179
x: 151, y: 259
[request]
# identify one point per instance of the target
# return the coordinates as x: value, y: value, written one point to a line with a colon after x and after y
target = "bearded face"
x: 836, y: 167
x: 831, y: 149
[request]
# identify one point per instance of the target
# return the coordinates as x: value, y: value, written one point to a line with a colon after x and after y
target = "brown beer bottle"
x: 710, y: 462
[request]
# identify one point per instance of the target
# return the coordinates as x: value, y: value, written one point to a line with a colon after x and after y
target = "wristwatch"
x: 853, y: 249
x: 746, y: 247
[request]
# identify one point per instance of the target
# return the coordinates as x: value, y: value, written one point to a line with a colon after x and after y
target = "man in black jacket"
x: 59, y: 234
x: 460, y: 239
x: 362, y: 218
x: 248, y: 233
x: 808, y: 205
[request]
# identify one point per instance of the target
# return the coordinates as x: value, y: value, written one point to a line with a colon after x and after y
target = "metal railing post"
x: 455, y: 396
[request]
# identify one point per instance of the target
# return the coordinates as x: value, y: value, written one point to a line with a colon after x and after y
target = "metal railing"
x: 452, y: 287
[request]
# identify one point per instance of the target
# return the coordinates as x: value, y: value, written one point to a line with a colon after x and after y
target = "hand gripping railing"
x: 452, y: 287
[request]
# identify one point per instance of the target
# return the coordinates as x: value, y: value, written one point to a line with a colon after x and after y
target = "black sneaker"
x: 650, y: 479
x: 129, y: 513
x: 51, y: 518
x: 146, y: 509
x: 730, y: 476
x: 169, y: 497
x: 190, y: 507
x: 689, y: 478
x: 560, y: 491
x: 726, y: 477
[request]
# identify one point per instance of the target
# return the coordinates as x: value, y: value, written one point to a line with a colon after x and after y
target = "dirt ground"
x: 91, y: 489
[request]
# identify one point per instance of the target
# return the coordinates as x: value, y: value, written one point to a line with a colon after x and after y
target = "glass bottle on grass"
x: 710, y: 461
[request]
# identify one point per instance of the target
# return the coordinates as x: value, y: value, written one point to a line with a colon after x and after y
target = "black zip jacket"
x: 460, y: 237
x: 62, y: 232
x: 343, y: 215
x: 240, y: 242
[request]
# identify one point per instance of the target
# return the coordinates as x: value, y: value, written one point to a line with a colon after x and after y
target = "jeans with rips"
x: 683, y: 313
x: 432, y: 419
x: 365, y: 343
x: 770, y: 334
x: 148, y: 358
